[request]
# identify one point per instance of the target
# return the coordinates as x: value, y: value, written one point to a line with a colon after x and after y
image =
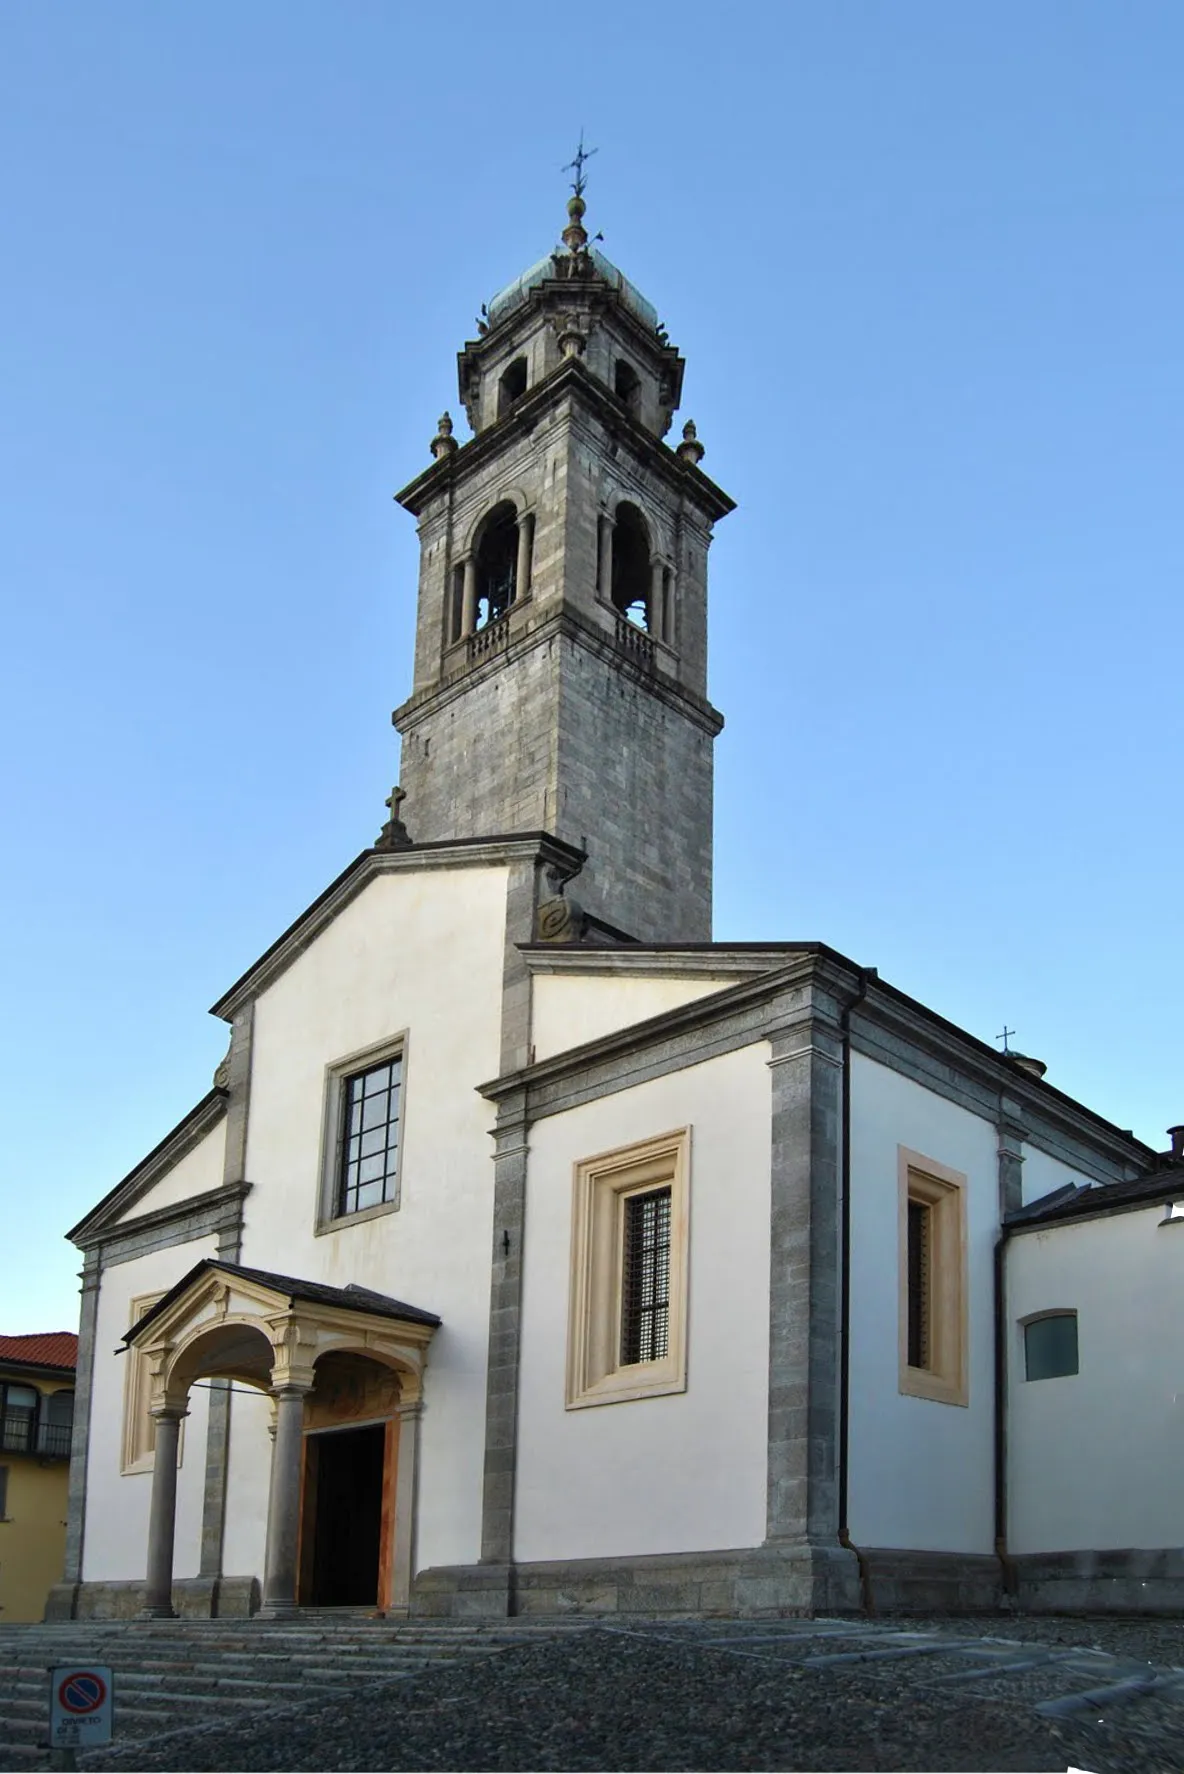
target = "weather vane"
x: 577, y: 165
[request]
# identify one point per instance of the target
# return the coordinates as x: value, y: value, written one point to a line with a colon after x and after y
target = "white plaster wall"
x: 248, y: 1475
x: 420, y: 951
x: 116, y: 1538
x: 1042, y: 1174
x: 568, y: 1010
x: 200, y: 1169
x: 680, y: 1473
x: 1096, y: 1459
x: 921, y: 1473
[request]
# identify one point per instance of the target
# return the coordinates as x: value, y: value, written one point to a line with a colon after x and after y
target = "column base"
x: 157, y: 1613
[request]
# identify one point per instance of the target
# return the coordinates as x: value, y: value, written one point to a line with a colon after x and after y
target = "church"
x: 533, y: 1252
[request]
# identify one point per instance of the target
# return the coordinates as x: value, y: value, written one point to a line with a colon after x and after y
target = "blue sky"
x: 926, y: 266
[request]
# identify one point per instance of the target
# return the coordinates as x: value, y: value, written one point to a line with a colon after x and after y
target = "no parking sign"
x: 80, y: 1705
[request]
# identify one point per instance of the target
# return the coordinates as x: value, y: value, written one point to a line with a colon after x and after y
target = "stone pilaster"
x: 802, y: 1509
x: 505, y: 1309
x: 1011, y: 1156
x: 62, y: 1597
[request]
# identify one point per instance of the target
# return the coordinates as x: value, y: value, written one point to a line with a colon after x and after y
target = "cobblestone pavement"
x: 978, y: 1694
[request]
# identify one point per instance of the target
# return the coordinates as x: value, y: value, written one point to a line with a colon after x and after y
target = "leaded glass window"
x: 370, y: 1137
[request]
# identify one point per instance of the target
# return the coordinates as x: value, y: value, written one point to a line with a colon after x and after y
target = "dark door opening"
x: 347, y: 1523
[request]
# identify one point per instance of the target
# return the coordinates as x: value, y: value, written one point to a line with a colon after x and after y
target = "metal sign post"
x: 81, y: 1701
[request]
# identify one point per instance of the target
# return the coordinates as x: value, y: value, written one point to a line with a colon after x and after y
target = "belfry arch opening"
x: 497, y: 565
x: 632, y: 576
x: 627, y: 386
x: 512, y: 385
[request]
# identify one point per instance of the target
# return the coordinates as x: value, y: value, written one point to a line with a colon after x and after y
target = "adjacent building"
x: 36, y: 1419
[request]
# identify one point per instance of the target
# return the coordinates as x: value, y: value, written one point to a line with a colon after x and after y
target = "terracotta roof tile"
x: 48, y: 1349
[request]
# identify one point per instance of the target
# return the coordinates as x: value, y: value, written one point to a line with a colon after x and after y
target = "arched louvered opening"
x: 497, y: 565
x: 631, y: 583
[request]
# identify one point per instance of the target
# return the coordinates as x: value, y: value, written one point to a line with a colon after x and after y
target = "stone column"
x: 657, y: 623
x: 605, y: 584
x: 525, y: 546
x: 468, y: 603
x: 162, y: 1516
x: 283, y: 1503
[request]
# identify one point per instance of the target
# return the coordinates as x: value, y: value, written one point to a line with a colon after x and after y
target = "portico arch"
x: 270, y: 1331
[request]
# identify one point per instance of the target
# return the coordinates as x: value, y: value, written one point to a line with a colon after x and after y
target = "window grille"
x: 920, y: 1283
x: 645, y: 1282
x: 370, y: 1138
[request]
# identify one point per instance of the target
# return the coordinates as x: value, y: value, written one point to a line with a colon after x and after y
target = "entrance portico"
x: 223, y: 1321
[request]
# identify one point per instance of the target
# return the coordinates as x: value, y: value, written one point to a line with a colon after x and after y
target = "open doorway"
x: 344, y: 1475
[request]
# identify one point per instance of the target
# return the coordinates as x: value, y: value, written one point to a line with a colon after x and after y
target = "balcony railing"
x: 19, y: 1435
x: 53, y: 1440
x: 491, y: 639
x: 636, y: 642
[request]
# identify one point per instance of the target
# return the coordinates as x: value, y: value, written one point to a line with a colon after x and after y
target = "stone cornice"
x: 887, y: 1026
x: 570, y: 378
x: 566, y: 623
x: 733, y: 1005
x: 887, y: 1014
x: 686, y: 962
x: 180, y: 1222
x: 188, y: 1132
x: 450, y: 853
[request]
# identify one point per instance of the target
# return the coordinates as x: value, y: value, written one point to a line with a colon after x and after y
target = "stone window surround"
x: 137, y: 1443
x: 924, y: 1179
x: 337, y: 1072
x: 460, y: 601
x: 600, y: 1187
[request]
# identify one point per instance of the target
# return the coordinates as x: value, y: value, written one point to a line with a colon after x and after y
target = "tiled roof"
x: 351, y: 1297
x: 48, y: 1349
x: 1078, y: 1201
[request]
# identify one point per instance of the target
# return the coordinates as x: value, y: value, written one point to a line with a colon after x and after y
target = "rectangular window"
x: 17, y: 1423
x: 1050, y: 1346
x: 645, y: 1285
x: 627, y: 1329
x: 362, y: 1137
x: 933, y: 1328
x: 56, y: 1428
x: 370, y: 1137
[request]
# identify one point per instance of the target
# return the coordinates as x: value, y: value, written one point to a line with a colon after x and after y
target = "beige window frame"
x: 329, y: 1218
x: 944, y: 1377
x: 601, y: 1187
x: 137, y: 1452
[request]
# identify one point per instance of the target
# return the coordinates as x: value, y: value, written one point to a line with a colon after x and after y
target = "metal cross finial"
x: 1003, y: 1037
x: 582, y: 154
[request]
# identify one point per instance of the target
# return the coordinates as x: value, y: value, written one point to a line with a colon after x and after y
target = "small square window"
x: 627, y: 1334
x: 363, y: 1143
x: 933, y: 1332
x: 1050, y: 1346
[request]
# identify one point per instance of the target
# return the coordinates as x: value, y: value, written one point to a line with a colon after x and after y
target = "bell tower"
x: 561, y: 639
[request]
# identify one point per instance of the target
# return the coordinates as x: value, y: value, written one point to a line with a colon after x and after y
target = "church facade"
x: 532, y: 1251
